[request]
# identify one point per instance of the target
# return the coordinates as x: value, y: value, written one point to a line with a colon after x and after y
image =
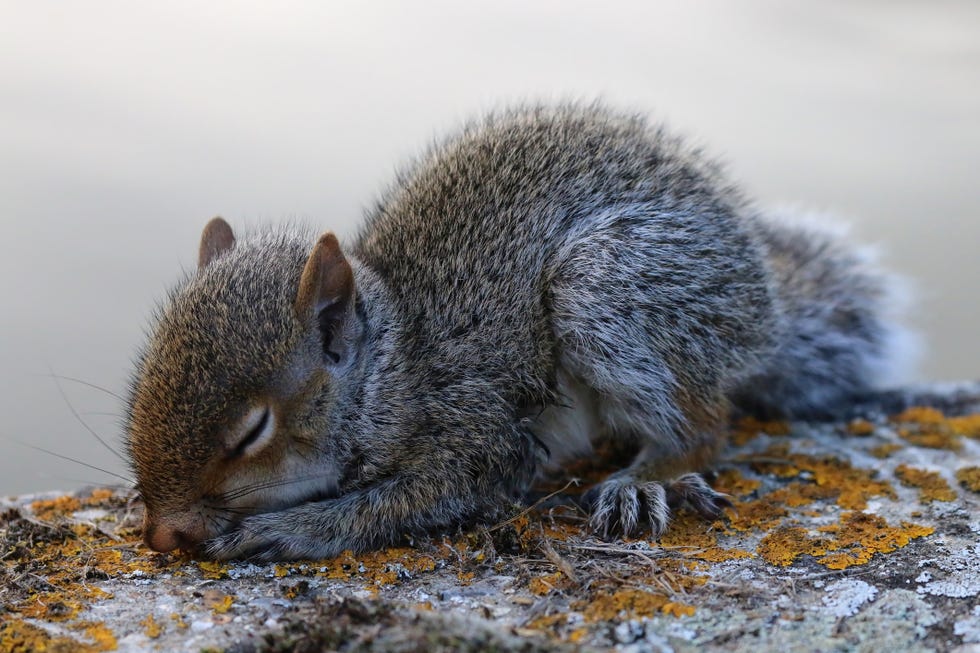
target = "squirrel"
x: 548, y: 275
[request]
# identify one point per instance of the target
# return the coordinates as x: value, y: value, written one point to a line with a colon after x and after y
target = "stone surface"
x: 858, y: 536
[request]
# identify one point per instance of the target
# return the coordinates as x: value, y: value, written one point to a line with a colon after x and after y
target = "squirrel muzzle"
x: 183, y: 531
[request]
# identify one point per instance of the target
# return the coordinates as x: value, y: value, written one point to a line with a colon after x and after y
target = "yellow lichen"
x: 223, y: 605
x: 51, y: 509
x: 932, y: 439
x: 213, y: 570
x: 853, y: 486
x: 884, y: 450
x: 920, y: 415
x: 932, y: 486
x: 762, y: 513
x: 629, y: 603
x: 860, y: 427
x: 928, y: 427
x: 860, y: 535
x: 852, y: 541
x: 748, y: 428
x: 690, y: 536
x: 17, y: 636
x: 543, y: 585
x: 784, y: 545
x: 969, y: 477
x: 102, y: 637
x: 967, y: 425
x: 730, y: 481
x: 150, y: 627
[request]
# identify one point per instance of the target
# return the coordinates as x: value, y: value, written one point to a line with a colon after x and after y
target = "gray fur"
x: 546, y: 270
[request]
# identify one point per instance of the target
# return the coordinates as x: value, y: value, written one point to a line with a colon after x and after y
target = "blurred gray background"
x: 125, y: 126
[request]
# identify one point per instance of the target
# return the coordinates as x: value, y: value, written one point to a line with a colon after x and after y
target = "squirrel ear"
x: 215, y: 241
x: 325, y: 291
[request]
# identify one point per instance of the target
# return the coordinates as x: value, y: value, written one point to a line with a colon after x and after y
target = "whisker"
x: 249, y: 489
x: 87, y: 383
x: 95, y: 484
x: 81, y: 421
x: 239, y: 511
x: 73, y: 460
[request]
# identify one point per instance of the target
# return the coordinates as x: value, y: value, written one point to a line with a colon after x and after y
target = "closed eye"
x: 257, y: 429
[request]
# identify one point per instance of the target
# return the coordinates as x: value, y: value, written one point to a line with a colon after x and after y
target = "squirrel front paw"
x: 621, y: 505
x: 271, y: 536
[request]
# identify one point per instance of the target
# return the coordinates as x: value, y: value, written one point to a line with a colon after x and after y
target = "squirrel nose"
x: 167, y: 535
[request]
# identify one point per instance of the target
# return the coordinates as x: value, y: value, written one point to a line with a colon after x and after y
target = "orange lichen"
x: 854, y: 486
x: 860, y: 535
x: 884, y: 450
x: 223, y: 605
x: 51, y: 509
x: 378, y: 568
x: 17, y: 636
x: 784, y: 545
x: 748, y: 428
x: 691, y: 537
x: 546, y: 584
x: 103, y: 639
x: 549, y: 623
x: 630, y: 603
x: 860, y: 427
x: 688, y: 532
x: 719, y: 554
x: 937, y: 439
x: 932, y: 486
x: 730, y: 481
x: 150, y: 627
x: 798, y: 494
x: 213, y: 570
x: 969, y: 477
x: 928, y: 427
x: 967, y: 425
x: 762, y: 513
x: 854, y: 540
x: 920, y: 415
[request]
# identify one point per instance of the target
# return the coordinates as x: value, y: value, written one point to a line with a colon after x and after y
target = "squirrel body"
x: 547, y: 276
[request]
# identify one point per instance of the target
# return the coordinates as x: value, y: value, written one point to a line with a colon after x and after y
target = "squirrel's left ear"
x: 326, y: 293
x: 215, y: 241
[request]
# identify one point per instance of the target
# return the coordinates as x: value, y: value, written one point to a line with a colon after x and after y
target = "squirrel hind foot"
x: 623, y: 505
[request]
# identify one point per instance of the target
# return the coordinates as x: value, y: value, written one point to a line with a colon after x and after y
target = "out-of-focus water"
x: 124, y: 126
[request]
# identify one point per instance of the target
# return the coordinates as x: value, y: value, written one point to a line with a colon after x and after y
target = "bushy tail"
x: 840, y: 338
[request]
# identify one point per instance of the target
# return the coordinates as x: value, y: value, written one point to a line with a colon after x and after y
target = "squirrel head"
x: 229, y: 411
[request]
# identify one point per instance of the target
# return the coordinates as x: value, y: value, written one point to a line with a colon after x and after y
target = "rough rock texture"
x: 859, y: 536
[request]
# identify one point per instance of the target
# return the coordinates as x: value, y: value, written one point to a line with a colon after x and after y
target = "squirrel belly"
x: 548, y: 276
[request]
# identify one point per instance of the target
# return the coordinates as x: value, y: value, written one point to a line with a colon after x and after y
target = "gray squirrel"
x: 548, y: 275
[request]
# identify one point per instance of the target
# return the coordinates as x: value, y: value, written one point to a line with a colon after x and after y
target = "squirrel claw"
x: 620, y: 503
x: 692, y: 490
